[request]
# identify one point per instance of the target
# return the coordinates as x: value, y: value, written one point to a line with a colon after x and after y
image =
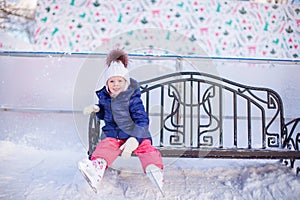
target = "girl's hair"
x: 117, y: 55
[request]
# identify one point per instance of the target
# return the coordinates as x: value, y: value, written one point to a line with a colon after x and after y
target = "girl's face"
x: 116, y: 84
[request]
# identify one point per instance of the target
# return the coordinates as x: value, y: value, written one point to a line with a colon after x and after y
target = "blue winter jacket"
x: 125, y: 115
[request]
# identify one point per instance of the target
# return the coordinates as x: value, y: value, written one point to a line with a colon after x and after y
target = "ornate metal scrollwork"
x: 292, y: 139
x: 272, y: 102
x: 273, y: 140
x: 204, y: 139
x: 174, y: 117
x: 253, y: 111
x: 174, y: 121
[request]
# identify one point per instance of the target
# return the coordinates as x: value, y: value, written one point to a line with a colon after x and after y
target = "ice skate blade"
x: 87, y: 179
x: 156, y: 184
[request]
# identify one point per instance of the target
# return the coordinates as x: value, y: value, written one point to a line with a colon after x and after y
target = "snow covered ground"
x: 39, y: 155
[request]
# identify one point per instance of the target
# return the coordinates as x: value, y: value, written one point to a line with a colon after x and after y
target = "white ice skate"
x: 155, y: 174
x: 93, y: 171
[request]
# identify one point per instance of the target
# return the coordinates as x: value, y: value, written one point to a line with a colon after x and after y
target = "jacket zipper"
x: 115, y: 124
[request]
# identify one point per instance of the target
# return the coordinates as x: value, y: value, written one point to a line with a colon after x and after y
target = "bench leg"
x: 292, y: 163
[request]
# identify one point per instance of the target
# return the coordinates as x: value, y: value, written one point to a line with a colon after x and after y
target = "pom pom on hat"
x: 117, y: 55
x: 117, y: 61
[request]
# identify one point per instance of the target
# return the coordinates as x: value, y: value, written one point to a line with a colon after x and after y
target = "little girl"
x: 126, y: 124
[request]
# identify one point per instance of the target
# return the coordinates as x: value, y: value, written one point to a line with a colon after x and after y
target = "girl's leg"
x: 148, y: 155
x: 107, y: 149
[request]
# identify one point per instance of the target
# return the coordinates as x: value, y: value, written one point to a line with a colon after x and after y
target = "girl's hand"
x: 128, y: 147
x: 90, y: 109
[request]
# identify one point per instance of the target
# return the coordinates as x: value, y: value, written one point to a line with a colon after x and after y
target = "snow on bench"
x: 199, y: 115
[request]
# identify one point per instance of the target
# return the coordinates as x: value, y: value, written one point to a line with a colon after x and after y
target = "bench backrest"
x: 192, y: 109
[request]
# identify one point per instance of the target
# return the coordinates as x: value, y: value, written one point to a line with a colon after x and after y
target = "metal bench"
x: 199, y: 115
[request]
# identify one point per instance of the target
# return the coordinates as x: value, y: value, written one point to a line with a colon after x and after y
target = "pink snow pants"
x: 109, y: 149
